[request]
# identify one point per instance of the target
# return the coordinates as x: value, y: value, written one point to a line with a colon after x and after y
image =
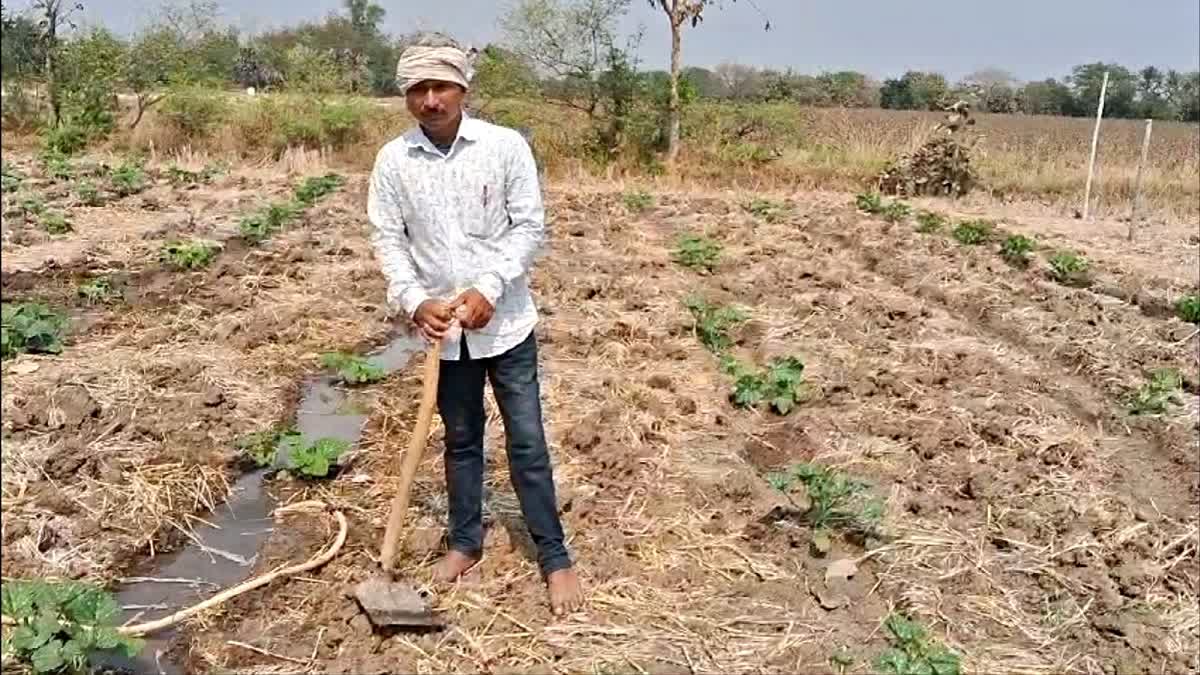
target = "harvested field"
x: 962, y: 451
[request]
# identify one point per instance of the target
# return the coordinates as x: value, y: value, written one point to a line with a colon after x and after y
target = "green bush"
x: 896, y: 211
x: 638, y: 200
x: 67, y: 139
x: 88, y: 193
x: 57, y: 165
x: 1016, y: 249
x: 838, y: 500
x: 780, y: 385
x: 189, y: 255
x: 128, y: 179
x: 10, y: 179
x: 1068, y: 267
x: 1155, y: 396
x: 712, y: 323
x: 973, y: 232
x: 96, y: 290
x: 315, y: 187
x: 696, y: 252
x: 30, y: 327
x: 769, y: 210
x: 279, y: 121
x: 869, y: 202
x: 32, y: 205
x: 929, y: 222
x: 56, y: 223
x: 1188, y: 308
x: 194, y: 111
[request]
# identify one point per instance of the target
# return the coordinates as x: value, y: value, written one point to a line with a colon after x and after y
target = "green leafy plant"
x: 1188, y: 308
x: 973, y: 232
x: 838, y: 500
x: 638, y: 200
x: 929, y: 222
x: 316, y: 187
x: 259, y: 227
x: 1156, y: 395
x: 88, y: 193
x: 914, y: 652
x: 57, y: 166
x: 58, y: 624
x: 128, y: 179
x: 1016, y: 249
x: 262, y: 447
x: 780, y: 384
x: 33, y: 205
x: 317, y: 459
x: 280, y: 213
x: 895, y: 212
x: 177, y: 175
x: 96, y: 290
x: 696, y: 252
x: 712, y: 323
x: 871, y: 202
x: 192, y: 254
x: 10, y: 179
x: 65, y: 140
x: 1068, y: 267
x: 352, y: 369
x: 55, y: 223
x: 30, y: 327
x: 254, y: 229
x: 768, y: 210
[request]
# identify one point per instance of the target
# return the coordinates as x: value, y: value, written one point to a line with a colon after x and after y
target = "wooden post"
x: 1137, y: 182
x: 1087, y: 191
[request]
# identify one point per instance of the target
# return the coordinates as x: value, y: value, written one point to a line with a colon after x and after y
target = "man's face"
x: 436, y: 104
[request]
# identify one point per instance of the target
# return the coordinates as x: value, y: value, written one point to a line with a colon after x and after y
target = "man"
x: 458, y: 219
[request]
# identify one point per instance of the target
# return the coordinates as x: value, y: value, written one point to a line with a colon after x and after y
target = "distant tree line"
x: 185, y: 44
x: 1147, y: 93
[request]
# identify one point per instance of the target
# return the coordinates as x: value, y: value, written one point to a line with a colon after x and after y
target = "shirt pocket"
x: 485, y: 215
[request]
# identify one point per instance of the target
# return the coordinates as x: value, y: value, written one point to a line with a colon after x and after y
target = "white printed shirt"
x: 470, y: 218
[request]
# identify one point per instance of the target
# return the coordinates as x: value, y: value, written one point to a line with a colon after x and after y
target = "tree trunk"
x: 144, y: 103
x: 675, y: 112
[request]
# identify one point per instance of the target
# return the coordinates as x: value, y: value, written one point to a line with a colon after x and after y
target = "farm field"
x: 988, y: 456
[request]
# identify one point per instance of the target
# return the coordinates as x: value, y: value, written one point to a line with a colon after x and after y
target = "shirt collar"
x: 468, y: 130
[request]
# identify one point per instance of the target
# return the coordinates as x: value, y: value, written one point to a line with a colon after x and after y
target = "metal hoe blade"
x: 390, y: 603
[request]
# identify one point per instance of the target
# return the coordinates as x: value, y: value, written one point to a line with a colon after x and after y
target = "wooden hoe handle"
x: 412, y: 458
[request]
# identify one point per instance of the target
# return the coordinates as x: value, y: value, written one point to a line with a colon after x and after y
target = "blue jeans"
x: 514, y: 378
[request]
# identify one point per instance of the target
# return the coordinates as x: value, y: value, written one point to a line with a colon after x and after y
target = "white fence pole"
x: 1087, y: 191
x: 1137, y: 182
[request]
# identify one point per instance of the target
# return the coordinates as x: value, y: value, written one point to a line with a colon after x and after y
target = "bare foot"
x: 565, y: 593
x: 453, y: 566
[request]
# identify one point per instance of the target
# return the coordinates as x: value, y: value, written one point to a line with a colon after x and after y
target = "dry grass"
x: 1001, y: 373
x: 1020, y: 158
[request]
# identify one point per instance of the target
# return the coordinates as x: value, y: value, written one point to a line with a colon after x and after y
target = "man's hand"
x: 473, y: 310
x: 433, y: 318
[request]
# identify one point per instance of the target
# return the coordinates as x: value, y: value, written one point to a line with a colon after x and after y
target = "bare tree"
x: 191, y: 19
x: 679, y: 13
x: 570, y: 42
x: 55, y: 14
x: 738, y: 81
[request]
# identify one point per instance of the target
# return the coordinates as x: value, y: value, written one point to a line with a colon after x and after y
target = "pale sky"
x: 1032, y: 39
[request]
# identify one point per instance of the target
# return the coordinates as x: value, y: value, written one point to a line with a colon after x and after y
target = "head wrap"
x: 445, y: 63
